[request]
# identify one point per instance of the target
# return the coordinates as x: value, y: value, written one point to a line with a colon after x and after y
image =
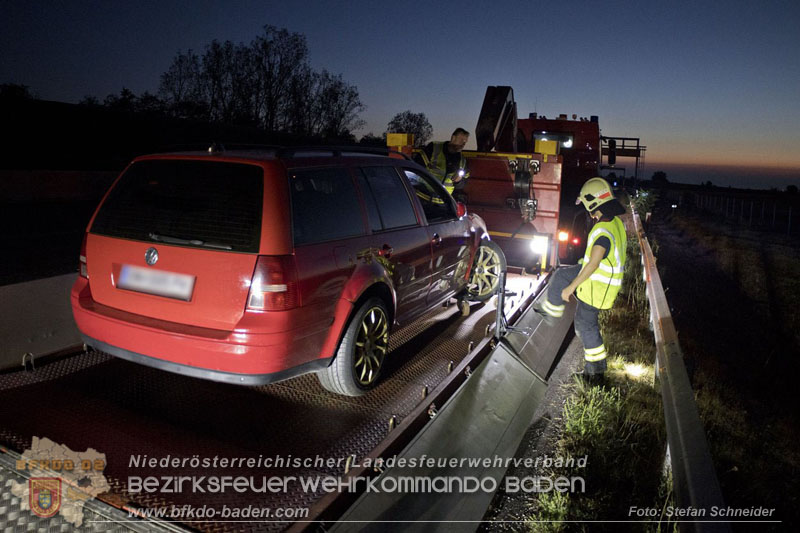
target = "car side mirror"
x: 461, y: 209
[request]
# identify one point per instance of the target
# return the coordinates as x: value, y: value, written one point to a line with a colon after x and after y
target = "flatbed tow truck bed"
x: 134, y: 414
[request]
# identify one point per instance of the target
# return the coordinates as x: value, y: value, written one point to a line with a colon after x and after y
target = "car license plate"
x: 158, y: 282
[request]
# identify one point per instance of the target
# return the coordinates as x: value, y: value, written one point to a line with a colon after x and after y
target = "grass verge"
x: 737, y: 291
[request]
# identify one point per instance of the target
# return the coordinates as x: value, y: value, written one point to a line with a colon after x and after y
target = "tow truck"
x: 524, y: 178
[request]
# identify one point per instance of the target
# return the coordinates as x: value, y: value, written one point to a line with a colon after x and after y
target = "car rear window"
x: 202, y: 204
x: 325, y: 205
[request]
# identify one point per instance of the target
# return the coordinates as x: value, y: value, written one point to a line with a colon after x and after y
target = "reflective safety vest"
x: 601, y: 289
x: 438, y: 166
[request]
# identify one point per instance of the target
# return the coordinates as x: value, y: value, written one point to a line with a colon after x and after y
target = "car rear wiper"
x: 193, y: 242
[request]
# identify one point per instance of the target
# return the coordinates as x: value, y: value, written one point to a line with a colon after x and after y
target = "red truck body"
x: 568, y: 152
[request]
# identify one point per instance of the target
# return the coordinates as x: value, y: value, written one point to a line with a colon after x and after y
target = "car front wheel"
x: 489, y: 262
x: 361, y: 353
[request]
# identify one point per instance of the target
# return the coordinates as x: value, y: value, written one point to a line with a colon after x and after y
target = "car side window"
x: 436, y: 203
x: 325, y: 205
x: 392, y: 205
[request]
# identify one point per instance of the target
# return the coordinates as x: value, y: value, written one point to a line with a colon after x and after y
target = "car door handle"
x: 386, y: 251
x: 436, y: 239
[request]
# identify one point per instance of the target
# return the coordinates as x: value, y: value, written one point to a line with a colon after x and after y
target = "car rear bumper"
x: 204, y: 373
x: 246, y: 357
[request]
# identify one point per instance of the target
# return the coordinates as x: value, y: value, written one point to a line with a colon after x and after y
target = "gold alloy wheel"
x: 372, y: 344
x: 485, y: 272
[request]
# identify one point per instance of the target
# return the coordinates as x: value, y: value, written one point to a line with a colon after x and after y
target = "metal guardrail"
x: 693, y: 477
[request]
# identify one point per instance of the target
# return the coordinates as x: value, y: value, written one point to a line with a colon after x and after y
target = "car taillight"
x: 563, y: 236
x: 274, y: 284
x: 84, y: 270
x: 576, y: 241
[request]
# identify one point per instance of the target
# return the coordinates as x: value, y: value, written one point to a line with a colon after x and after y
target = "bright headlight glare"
x: 539, y: 245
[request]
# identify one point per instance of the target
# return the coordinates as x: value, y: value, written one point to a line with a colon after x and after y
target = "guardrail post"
x: 789, y: 229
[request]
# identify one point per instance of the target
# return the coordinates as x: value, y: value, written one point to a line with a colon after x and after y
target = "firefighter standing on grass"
x: 597, y: 281
x: 446, y: 161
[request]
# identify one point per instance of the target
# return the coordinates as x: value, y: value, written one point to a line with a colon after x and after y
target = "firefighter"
x: 596, y: 281
x: 446, y: 161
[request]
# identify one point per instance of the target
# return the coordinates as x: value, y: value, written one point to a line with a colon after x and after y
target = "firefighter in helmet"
x: 446, y: 161
x: 597, y: 280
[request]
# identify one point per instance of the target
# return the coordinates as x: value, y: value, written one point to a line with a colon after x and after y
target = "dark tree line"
x: 267, y: 83
x: 16, y: 91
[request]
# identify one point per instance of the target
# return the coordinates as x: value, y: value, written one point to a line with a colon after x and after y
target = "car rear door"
x: 448, y: 235
x: 329, y: 237
x: 399, y: 241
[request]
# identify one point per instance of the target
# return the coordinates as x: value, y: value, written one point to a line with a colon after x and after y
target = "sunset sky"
x: 701, y: 83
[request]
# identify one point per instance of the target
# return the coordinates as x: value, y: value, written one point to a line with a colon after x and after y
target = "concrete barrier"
x: 36, y: 319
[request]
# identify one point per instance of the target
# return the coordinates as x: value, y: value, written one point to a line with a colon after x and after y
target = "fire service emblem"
x: 44, y: 495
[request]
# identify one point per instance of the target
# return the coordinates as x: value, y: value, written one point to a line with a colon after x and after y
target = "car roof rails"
x: 287, y: 151
x: 337, y: 151
x: 217, y: 147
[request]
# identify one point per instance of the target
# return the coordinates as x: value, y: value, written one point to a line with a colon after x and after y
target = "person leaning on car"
x: 447, y: 162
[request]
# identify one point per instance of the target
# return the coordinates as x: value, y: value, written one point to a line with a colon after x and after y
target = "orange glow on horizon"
x: 721, y: 164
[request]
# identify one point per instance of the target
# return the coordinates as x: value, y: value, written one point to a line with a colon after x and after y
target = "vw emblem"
x: 151, y: 256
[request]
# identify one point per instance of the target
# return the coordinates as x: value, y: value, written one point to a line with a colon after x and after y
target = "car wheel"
x: 489, y: 262
x: 361, y: 353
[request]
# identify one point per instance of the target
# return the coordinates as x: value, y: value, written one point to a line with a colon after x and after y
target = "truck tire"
x: 362, y: 350
x: 489, y: 262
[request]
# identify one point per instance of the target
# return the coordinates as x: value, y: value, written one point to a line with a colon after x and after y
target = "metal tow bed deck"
x: 131, y: 412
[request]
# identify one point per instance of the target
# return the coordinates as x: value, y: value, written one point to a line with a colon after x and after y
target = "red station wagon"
x: 254, y: 266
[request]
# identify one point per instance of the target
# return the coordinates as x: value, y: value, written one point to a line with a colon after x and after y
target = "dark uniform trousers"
x: 587, y: 326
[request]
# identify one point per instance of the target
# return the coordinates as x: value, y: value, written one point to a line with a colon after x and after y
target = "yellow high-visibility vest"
x: 601, y: 289
x: 438, y: 167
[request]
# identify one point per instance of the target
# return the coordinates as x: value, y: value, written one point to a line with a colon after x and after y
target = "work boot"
x: 548, y: 319
x: 591, y: 380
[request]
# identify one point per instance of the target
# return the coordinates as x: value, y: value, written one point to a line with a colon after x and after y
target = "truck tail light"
x: 563, y: 236
x: 84, y: 270
x: 274, y: 284
x: 576, y: 241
